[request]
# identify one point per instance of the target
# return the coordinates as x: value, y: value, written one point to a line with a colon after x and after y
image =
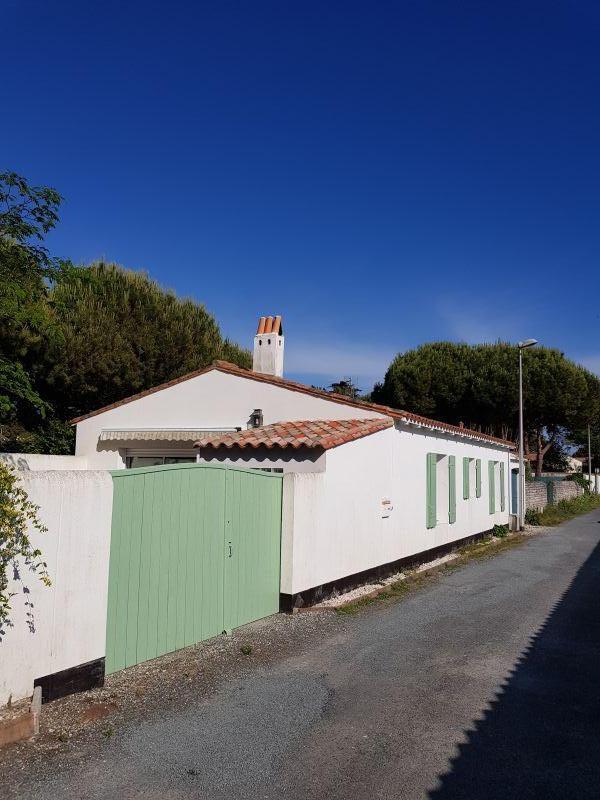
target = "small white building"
x: 365, y: 490
x: 366, y: 487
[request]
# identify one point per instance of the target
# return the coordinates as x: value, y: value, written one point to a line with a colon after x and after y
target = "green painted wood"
x: 170, y: 584
x: 210, y: 511
x: 478, y: 477
x: 251, y: 547
x: 502, y: 488
x: 113, y: 574
x: 492, y: 485
x: 466, y: 487
x: 451, y: 489
x: 431, y: 491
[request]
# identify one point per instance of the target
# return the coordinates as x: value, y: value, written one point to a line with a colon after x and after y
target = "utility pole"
x: 522, y: 508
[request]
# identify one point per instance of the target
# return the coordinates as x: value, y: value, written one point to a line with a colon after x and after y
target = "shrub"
x: 500, y: 531
x: 567, y: 509
x: 580, y: 479
x: 533, y: 516
x: 17, y: 514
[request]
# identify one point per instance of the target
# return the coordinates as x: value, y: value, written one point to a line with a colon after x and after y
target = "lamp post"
x: 589, y: 456
x: 521, y: 520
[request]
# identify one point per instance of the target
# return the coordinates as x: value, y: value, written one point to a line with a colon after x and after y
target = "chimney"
x: 268, y: 347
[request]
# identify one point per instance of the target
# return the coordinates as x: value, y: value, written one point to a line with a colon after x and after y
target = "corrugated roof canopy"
x: 164, y: 435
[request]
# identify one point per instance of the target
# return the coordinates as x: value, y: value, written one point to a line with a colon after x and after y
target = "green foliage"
x: 500, y: 531
x: 74, y: 339
x: 478, y: 385
x: 119, y: 333
x: 592, y: 417
x: 52, y: 436
x: 556, y: 458
x: 345, y: 387
x: 16, y: 392
x: 17, y: 514
x: 533, y: 516
x: 567, y: 509
x: 26, y: 214
x: 580, y: 479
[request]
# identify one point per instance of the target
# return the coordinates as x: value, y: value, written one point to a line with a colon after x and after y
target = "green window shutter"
x: 466, y: 487
x: 478, y: 478
x: 492, y: 486
x: 502, y: 488
x: 451, y: 489
x: 431, y: 508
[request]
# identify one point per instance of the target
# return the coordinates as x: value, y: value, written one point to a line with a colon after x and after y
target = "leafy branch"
x: 17, y: 515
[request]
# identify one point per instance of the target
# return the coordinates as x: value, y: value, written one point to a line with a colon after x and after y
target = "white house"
x: 366, y: 489
x: 366, y: 486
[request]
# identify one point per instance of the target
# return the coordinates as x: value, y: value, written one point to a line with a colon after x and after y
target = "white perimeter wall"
x: 69, y: 616
x: 37, y: 461
x: 213, y: 400
x: 336, y: 517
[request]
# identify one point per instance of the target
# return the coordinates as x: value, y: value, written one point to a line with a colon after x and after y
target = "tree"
x: 27, y: 213
x: 555, y: 393
x: 591, y: 417
x: 345, y: 387
x: 119, y: 333
x: 477, y: 385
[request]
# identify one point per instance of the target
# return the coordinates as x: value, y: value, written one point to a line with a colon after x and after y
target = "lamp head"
x: 527, y: 343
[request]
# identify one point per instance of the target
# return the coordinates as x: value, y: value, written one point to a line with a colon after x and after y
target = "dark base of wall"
x: 288, y: 602
x: 75, y: 679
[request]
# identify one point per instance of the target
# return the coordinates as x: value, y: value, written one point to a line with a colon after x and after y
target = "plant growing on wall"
x: 17, y: 515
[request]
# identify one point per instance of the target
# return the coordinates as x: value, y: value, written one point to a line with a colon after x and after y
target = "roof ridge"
x: 229, y: 367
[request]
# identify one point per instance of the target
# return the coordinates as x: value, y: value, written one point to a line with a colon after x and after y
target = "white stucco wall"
x: 213, y: 400
x: 69, y: 616
x: 334, y: 523
x: 287, y: 460
x: 40, y: 461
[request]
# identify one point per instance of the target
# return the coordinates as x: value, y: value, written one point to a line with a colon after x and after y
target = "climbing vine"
x: 17, y: 515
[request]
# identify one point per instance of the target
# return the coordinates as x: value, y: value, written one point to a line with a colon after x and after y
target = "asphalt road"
x: 485, y: 684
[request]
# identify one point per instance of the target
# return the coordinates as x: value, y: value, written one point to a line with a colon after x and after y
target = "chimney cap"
x: 270, y: 325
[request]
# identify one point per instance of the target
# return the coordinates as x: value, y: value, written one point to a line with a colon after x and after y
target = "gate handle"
x: 230, y: 550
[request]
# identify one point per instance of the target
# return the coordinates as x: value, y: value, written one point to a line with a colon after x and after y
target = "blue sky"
x: 382, y: 174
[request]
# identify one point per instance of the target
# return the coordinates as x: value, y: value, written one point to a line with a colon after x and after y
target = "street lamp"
x: 521, y: 520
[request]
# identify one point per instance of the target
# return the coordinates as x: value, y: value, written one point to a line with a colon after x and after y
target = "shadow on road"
x: 540, y: 737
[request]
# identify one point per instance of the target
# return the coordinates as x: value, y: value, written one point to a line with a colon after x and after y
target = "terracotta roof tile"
x: 302, y: 433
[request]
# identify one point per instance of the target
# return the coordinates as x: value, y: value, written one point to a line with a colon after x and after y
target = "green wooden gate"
x: 195, y: 551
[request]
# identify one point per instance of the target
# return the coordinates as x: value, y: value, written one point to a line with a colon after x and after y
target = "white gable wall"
x: 212, y: 400
x: 337, y: 518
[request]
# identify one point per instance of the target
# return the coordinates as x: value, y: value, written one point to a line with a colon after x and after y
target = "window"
x: 440, y: 489
x: 132, y: 462
x: 469, y: 479
x: 492, y: 486
x: 497, y: 486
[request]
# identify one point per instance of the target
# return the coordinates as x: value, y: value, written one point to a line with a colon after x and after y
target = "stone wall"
x: 566, y: 490
x: 536, y: 495
x: 541, y: 493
